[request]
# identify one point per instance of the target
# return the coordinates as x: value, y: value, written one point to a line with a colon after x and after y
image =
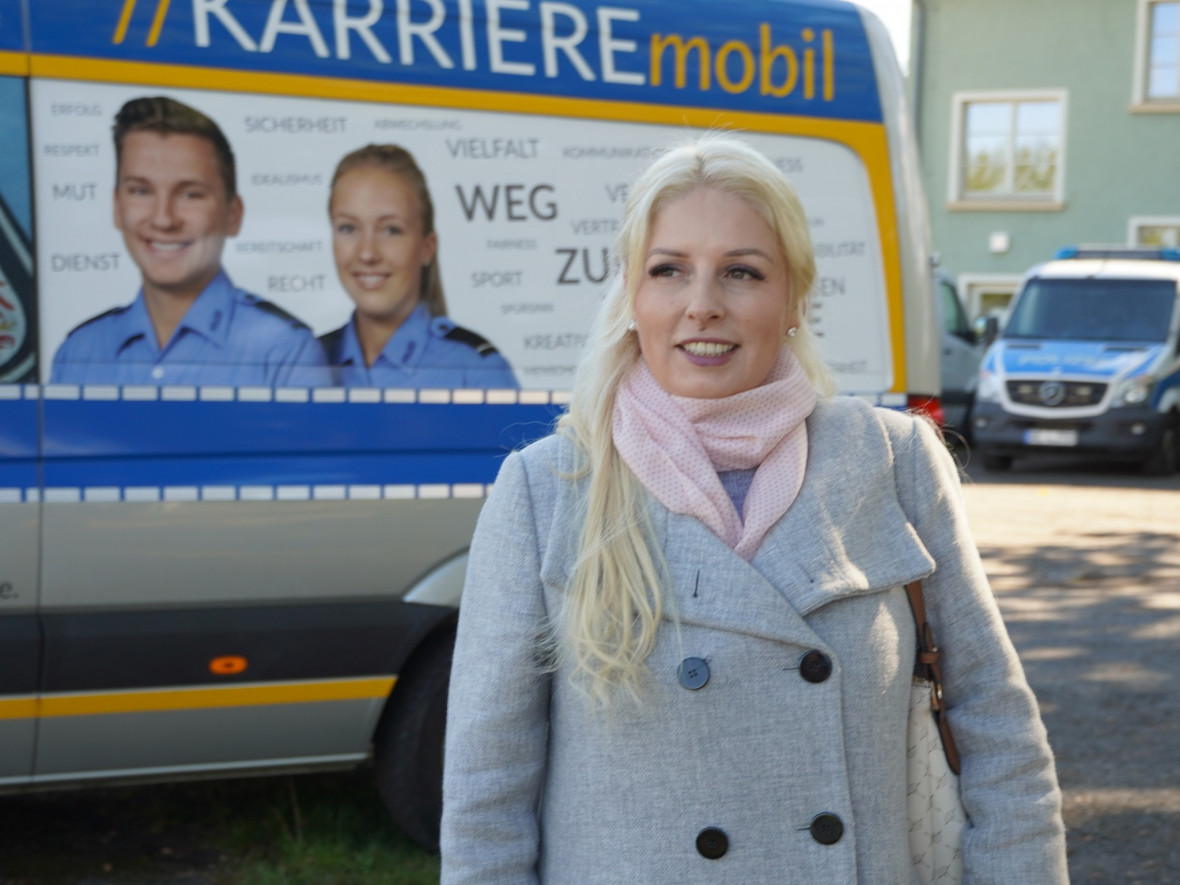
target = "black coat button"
x: 815, y: 666
x: 693, y: 673
x: 712, y: 842
x: 826, y: 828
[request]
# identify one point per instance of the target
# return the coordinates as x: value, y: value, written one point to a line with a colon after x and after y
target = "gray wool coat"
x: 539, y: 788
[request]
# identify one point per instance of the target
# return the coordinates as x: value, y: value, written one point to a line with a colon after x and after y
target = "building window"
x: 1154, y: 231
x: 987, y: 295
x: 1157, y: 55
x: 1163, y: 59
x: 1009, y: 148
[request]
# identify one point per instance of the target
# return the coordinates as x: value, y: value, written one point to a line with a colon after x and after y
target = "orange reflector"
x: 228, y: 665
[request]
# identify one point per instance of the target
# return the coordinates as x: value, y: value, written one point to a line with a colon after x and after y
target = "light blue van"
x: 1087, y: 363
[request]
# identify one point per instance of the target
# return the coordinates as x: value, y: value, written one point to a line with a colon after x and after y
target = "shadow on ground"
x: 1096, y: 620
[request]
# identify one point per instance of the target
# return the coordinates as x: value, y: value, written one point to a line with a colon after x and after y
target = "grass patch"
x: 326, y: 829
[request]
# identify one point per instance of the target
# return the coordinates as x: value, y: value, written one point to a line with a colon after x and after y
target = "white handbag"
x: 935, y: 808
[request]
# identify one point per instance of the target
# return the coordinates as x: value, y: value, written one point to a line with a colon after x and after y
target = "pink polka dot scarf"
x: 676, y: 445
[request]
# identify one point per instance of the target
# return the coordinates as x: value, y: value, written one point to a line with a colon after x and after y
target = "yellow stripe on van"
x: 67, y: 67
x: 161, y: 700
x: 867, y: 140
x: 18, y: 708
x: 14, y: 64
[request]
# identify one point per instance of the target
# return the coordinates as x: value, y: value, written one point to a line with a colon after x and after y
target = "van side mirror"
x: 991, y: 330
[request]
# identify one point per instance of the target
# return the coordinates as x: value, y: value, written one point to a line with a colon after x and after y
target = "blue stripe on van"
x: 18, y: 426
x: 120, y: 444
x: 12, y: 33
x: 97, y: 429
x: 349, y: 469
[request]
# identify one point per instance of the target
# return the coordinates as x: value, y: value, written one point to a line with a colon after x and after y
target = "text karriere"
x: 773, y: 62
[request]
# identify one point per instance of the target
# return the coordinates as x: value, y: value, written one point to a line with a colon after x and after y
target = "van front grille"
x: 1056, y: 394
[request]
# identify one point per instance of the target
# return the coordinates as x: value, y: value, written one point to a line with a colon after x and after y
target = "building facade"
x: 1044, y: 124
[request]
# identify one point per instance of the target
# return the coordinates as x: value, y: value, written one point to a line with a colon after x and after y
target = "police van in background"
x: 1088, y: 363
x: 211, y: 580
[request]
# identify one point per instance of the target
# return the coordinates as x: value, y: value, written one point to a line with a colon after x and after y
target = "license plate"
x: 1045, y: 436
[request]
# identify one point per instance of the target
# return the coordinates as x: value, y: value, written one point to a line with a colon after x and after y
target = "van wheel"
x: 996, y: 463
x: 1163, y: 461
x: 408, y: 744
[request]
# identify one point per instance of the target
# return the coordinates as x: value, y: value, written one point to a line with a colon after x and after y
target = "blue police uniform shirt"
x: 228, y: 337
x: 425, y: 351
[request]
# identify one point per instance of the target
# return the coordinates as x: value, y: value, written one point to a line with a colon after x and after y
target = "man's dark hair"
x: 168, y: 116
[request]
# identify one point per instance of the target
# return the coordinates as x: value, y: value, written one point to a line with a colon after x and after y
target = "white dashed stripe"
x: 100, y: 392
x: 338, y: 492
x: 467, y: 397
x: 255, y: 394
x: 182, y: 393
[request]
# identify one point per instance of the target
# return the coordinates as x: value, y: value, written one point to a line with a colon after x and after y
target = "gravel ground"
x: 1088, y: 578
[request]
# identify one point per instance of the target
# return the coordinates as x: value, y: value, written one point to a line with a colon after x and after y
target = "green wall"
x: 1118, y: 164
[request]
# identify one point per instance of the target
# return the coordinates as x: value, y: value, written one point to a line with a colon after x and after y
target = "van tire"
x: 996, y: 463
x: 1163, y: 461
x: 408, y: 744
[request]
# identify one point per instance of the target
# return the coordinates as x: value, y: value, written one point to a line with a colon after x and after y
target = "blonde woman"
x: 684, y: 650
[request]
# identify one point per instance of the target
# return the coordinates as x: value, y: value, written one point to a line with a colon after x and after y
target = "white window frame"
x: 1140, y: 103
x: 972, y: 284
x: 1137, y: 221
x: 959, y: 102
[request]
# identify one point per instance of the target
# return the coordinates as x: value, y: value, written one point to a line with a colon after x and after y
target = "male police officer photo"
x: 176, y: 203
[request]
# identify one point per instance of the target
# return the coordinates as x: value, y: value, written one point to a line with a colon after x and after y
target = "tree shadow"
x: 1097, y: 626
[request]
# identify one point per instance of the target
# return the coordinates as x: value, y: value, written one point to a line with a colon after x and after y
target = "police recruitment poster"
x: 526, y: 209
x: 526, y: 202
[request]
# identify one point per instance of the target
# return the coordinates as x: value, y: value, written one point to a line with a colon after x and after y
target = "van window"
x: 1093, y: 310
x: 954, y: 318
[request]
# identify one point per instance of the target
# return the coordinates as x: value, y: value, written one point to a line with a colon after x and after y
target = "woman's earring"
x: 631, y: 326
x: 793, y: 331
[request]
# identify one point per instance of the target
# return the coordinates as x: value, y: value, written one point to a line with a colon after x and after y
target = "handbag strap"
x: 928, y: 666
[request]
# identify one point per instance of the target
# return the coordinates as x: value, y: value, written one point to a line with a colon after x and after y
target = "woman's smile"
x: 708, y: 352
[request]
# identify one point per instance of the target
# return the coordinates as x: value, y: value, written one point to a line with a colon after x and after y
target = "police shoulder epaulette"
x: 114, y: 311
x: 332, y: 342
x: 275, y: 311
x: 476, y: 342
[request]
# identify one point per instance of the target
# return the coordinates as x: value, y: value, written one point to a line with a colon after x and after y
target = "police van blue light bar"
x: 1141, y: 253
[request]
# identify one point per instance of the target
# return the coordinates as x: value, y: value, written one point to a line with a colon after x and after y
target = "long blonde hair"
x: 614, y: 601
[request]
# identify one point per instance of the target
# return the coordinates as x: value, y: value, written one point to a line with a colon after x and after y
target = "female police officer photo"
x: 685, y: 650
x: 386, y: 253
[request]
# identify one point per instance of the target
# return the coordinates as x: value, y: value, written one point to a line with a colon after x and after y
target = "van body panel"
x: 269, y: 682
x: 920, y: 317
x: 238, y: 552
x: 249, y: 737
x: 20, y: 638
x: 227, y: 577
